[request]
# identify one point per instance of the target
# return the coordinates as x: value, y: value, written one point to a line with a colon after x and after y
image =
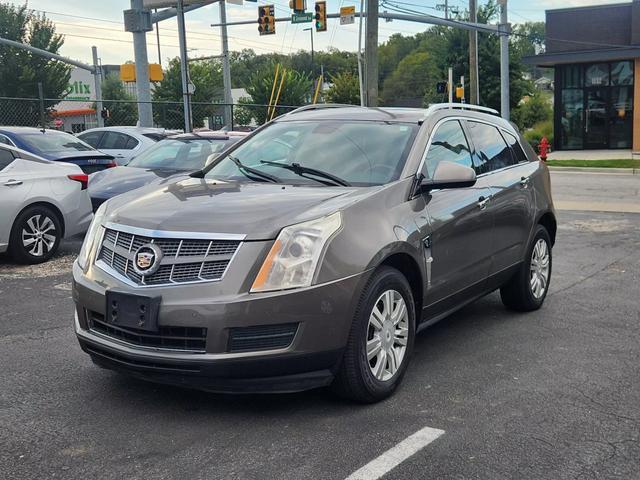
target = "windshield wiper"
x: 245, y: 169
x: 302, y: 170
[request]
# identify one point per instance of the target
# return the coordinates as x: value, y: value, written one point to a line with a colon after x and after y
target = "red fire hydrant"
x: 543, y: 149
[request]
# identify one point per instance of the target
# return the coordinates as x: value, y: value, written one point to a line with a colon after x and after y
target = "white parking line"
x: 396, y: 455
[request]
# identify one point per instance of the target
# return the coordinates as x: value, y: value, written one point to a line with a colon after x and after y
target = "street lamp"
x: 310, y: 30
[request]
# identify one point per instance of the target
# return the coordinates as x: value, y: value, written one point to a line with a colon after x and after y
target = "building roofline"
x: 587, y: 7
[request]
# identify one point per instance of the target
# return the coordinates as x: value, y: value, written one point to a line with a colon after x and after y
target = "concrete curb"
x: 627, y: 171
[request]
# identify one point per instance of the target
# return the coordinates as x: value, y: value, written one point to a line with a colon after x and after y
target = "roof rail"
x: 462, y: 106
x: 319, y: 106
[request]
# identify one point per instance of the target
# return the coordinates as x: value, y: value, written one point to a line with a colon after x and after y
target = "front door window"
x: 596, y: 118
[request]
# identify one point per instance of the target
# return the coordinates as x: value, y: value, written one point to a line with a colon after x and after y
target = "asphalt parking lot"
x: 553, y: 394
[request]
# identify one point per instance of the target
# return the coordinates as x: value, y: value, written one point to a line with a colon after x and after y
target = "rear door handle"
x: 12, y: 183
x: 524, y: 181
x: 483, y: 201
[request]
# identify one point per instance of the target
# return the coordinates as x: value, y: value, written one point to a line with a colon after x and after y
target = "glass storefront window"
x: 622, y: 73
x: 621, y: 117
x: 571, y: 119
x: 572, y: 76
x: 597, y: 75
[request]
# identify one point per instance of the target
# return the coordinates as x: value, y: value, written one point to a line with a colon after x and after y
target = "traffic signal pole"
x: 184, y: 69
x: 504, y: 60
x: 371, y: 54
x: 143, y: 85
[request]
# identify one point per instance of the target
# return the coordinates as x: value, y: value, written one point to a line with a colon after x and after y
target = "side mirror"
x: 449, y: 175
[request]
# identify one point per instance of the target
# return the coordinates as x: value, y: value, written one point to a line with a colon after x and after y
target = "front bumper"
x: 323, y: 314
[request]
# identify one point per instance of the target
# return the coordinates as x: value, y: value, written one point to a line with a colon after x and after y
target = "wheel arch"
x: 548, y: 221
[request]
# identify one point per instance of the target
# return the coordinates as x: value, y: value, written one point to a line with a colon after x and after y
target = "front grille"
x: 183, y: 260
x: 172, y: 338
x: 261, y: 337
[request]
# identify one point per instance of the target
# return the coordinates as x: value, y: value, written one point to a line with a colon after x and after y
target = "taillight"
x: 83, y: 178
x: 111, y: 165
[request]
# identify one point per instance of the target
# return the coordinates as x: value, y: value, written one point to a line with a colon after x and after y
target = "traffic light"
x: 266, y: 20
x: 298, y: 6
x: 321, y: 16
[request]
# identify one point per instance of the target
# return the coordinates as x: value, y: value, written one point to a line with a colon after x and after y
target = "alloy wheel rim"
x: 387, y: 335
x: 38, y: 235
x: 539, y: 279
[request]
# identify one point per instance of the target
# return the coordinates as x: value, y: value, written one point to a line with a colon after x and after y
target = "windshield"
x: 358, y: 152
x: 55, y: 142
x: 180, y: 154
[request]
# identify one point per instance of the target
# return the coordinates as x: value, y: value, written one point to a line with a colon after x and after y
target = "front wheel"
x: 528, y: 288
x: 380, y: 341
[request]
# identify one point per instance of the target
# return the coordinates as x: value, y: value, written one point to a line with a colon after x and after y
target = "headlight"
x: 293, y: 259
x: 90, y: 237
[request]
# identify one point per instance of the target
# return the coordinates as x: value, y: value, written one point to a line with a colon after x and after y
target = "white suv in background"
x: 41, y: 202
x: 123, y: 143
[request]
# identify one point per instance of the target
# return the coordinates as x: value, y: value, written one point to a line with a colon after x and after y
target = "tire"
x: 356, y: 379
x: 521, y: 293
x: 35, y: 235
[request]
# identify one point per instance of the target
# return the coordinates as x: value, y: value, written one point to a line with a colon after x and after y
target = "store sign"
x: 81, y: 86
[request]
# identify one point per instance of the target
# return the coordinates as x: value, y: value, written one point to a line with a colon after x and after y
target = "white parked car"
x: 123, y: 143
x: 41, y: 202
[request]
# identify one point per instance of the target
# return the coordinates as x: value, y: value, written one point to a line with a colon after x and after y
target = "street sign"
x: 347, y: 15
x: 306, y: 17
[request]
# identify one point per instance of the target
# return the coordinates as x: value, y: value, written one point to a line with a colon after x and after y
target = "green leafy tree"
x: 295, y: 91
x: 122, y: 109
x: 345, y: 89
x: 21, y: 71
x: 207, y: 78
x: 533, y: 110
x: 415, y: 75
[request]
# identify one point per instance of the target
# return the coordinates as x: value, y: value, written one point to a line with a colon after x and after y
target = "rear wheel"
x: 35, y: 235
x: 380, y: 341
x: 528, y: 288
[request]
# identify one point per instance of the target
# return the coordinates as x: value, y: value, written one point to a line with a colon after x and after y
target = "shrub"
x: 541, y: 129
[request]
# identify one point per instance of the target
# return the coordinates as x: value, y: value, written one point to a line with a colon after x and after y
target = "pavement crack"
x: 584, y: 279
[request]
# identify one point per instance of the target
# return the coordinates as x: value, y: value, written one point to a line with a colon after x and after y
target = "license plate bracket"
x: 132, y: 311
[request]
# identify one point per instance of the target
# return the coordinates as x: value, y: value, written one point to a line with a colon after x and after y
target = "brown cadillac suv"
x: 311, y: 252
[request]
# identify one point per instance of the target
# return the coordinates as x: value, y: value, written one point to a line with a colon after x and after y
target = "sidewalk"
x: 592, y: 155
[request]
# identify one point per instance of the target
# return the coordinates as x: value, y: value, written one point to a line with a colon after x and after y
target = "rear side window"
x: 6, y: 157
x: 5, y: 141
x: 449, y: 143
x: 115, y: 141
x: 131, y: 143
x: 492, y: 153
x: 518, y: 153
x: 92, y: 138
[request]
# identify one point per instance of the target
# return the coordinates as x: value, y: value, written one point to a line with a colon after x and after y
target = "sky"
x: 99, y: 22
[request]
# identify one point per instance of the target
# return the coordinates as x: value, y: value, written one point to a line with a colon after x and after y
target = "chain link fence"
x: 75, y: 116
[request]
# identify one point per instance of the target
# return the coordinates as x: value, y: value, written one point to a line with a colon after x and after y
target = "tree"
x: 295, y: 91
x: 415, y: 74
x: 21, y: 71
x: 207, y: 78
x: 345, y: 89
x: 533, y: 110
x: 124, y: 110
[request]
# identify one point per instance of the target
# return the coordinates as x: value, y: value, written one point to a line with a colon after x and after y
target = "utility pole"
x: 184, y: 68
x: 360, y: 68
x: 450, y: 84
x: 143, y: 85
x: 446, y: 9
x: 371, y: 54
x: 504, y: 60
x: 474, y: 88
x: 158, y: 41
x: 226, y: 67
x: 97, y: 78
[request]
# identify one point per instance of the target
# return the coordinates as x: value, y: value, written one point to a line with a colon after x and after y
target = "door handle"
x: 524, y: 181
x: 483, y: 201
x: 12, y: 183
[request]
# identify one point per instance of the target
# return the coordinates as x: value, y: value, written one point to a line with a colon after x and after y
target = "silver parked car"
x: 311, y: 252
x: 123, y: 143
x: 41, y: 202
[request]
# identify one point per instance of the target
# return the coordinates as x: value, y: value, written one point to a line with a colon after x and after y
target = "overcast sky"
x: 103, y: 27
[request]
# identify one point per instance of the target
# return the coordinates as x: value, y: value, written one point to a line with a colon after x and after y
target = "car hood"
x: 114, y: 181
x: 257, y: 210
